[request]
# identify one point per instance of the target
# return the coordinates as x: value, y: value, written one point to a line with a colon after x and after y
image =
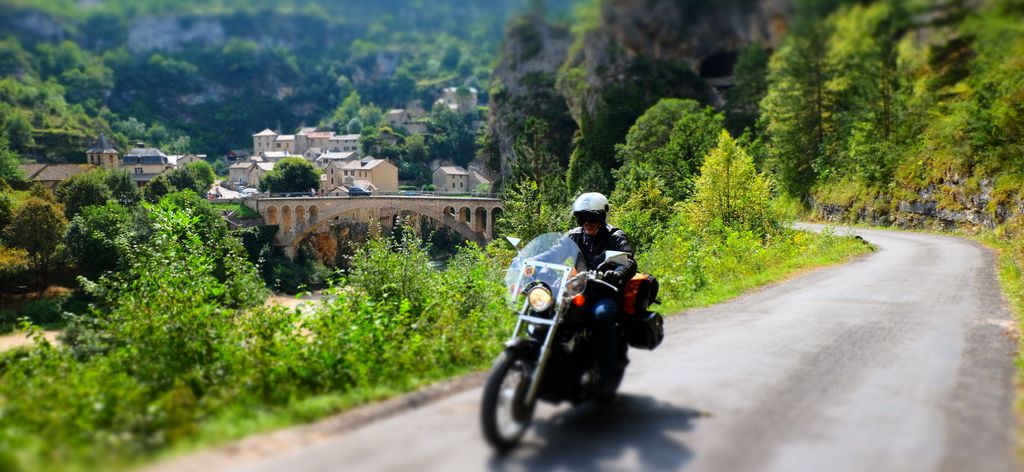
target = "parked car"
x: 248, y: 192
x: 358, y: 192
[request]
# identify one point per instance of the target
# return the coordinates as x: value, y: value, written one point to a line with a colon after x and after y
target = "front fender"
x: 523, y: 348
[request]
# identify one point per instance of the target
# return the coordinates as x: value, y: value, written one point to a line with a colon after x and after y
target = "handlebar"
x: 596, y: 278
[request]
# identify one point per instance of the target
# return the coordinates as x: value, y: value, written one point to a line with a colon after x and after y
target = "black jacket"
x: 608, y: 238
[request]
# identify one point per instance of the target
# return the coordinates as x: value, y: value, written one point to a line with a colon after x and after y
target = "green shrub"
x: 730, y: 192
x: 45, y: 312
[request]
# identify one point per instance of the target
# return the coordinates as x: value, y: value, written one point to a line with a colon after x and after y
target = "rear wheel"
x: 504, y: 412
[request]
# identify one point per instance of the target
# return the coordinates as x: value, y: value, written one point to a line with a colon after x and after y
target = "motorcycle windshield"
x: 550, y: 259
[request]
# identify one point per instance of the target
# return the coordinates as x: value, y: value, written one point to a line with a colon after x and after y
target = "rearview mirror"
x: 514, y: 241
x: 617, y: 257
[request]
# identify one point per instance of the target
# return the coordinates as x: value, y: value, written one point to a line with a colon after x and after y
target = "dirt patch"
x: 14, y: 301
x: 16, y: 340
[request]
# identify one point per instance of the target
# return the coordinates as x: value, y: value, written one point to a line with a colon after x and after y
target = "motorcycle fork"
x: 545, y: 349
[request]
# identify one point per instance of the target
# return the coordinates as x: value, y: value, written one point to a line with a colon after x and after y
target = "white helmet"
x: 590, y: 207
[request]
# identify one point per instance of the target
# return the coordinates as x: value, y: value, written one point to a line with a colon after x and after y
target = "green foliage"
x: 292, y: 174
x: 731, y: 193
x: 100, y: 239
x: 195, y: 176
x: 6, y: 210
x: 123, y: 188
x: 668, y: 142
x: 9, y: 170
x: 530, y: 211
x: 14, y: 266
x: 534, y: 160
x: 617, y: 110
x: 749, y: 88
x: 697, y: 268
x: 83, y: 190
x: 157, y: 188
x: 37, y: 226
x: 644, y: 214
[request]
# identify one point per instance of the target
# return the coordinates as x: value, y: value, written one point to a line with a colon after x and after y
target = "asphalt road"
x: 899, y: 361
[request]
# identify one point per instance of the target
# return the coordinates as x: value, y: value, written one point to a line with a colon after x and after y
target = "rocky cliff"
x: 525, y: 86
x: 638, y: 52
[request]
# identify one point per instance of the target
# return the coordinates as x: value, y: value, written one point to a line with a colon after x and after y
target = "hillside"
x: 215, y: 72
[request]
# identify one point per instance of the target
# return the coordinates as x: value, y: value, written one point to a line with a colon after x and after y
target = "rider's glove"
x: 611, y: 277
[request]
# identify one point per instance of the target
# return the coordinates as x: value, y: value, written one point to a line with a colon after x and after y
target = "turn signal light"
x: 578, y: 300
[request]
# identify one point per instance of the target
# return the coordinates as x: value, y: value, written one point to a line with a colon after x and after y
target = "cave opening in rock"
x: 719, y: 64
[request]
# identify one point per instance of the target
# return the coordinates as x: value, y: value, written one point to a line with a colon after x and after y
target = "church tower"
x: 103, y: 154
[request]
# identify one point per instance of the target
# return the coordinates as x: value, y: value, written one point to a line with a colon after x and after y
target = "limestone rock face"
x: 636, y: 42
x: 705, y: 35
x: 525, y: 86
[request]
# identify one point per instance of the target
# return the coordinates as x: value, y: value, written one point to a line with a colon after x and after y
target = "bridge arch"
x: 480, y: 219
x: 272, y: 215
x: 286, y: 219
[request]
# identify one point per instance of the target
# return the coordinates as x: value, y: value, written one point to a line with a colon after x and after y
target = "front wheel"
x: 504, y: 414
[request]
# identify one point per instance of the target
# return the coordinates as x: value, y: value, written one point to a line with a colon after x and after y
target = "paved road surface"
x: 900, y: 361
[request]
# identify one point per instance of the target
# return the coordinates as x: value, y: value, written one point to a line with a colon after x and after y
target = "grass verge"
x: 240, y: 210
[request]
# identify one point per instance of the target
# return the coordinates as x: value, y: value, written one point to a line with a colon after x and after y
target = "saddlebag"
x: 640, y: 293
x: 645, y: 331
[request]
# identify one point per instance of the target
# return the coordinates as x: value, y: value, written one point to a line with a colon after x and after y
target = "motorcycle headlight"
x: 539, y: 298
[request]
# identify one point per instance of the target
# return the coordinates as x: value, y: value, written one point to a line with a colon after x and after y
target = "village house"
x: 371, y: 174
x: 179, y: 160
x: 312, y: 154
x: 324, y: 159
x: 144, y: 163
x: 345, y: 142
x: 274, y: 156
x: 263, y: 141
x: 451, y: 179
x: 248, y: 173
x: 51, y: 175
x: 103, y: 154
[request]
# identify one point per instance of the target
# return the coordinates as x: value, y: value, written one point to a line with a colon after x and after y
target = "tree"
x: 6, y: 210
x: 730, y: 191
x: 83, y: 190
x: 795, y: 107
x: 99, y: 239
x: 293, y: 174
x: 668, y: 142
x: 195, y: 176
x: 178, y: 145
x: 528, y: 213
x: 534, y: 161
x: 9, y: 170
x: 41, y: 192
x: 37, y: 226
x: 749, y: 88
x: 123, y: 188
x: 19, y: 132
x: 157, y: 188
x: 354, y: 126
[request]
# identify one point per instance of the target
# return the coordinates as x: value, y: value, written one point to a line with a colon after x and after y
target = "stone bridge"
x: 298, y: 217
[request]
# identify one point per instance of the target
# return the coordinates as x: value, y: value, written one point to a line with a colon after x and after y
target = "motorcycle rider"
x: 594, y: 236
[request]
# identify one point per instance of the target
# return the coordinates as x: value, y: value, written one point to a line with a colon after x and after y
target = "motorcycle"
x: 550, y: 355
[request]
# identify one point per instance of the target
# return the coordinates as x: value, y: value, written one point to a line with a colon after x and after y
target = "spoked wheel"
x: 504, y: 413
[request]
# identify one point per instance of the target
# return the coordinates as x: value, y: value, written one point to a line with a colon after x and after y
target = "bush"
x: 731, y: 193
x: 45, y: 312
